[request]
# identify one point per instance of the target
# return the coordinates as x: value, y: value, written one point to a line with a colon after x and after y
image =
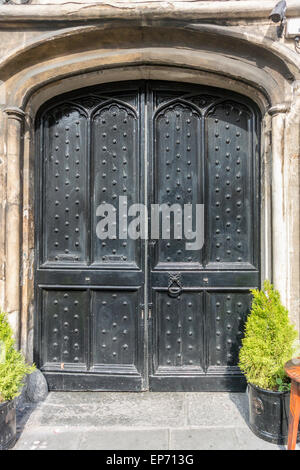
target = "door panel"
x: 64, y: 324
x: 230, y: 195
x: 227, y: 315
x: 179, y: 328
x: 177, y: 169
x: 115, y: 173
x: 65, y: 185
x: 115, y: 330
x: 108, y: 310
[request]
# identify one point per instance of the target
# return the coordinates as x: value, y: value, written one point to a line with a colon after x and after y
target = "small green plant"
x: 269, y: 341
x: 283, y: 386
x: 13, y: 367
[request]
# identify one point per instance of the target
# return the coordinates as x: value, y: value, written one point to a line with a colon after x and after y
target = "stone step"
x: 138, y: 421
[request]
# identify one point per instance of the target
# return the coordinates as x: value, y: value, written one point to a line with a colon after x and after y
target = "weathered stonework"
x: 48, y: 49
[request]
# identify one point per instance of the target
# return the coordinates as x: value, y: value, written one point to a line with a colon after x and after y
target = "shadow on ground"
x: 240, y: 400
x: 23, y: 413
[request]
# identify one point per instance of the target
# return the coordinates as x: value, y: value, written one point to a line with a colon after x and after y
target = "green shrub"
x: 13, y: 367
x: 269, y: 340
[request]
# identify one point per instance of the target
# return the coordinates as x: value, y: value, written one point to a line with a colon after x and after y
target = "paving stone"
x: 81, y: 415
x: 125, y: 439
x: 203, y: 439
x: 217, y: 409
x: 109, y: 409
x: 49, y: 439
x: 249, y: 441
x: 150, y: 409
x: 75, y: 398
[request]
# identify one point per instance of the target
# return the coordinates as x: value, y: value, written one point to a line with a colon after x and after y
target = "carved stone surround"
x: 241, y: 55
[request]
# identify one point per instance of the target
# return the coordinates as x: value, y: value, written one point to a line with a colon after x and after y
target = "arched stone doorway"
x: 127, y: 314
x: 249, y: 64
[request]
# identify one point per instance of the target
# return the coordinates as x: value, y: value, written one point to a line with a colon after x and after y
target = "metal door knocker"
x: 175, y: 286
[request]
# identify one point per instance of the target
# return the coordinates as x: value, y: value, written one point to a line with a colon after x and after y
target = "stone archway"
x: 233, y: 61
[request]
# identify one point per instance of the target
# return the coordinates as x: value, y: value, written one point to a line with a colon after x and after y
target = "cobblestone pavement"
x: 138, y: 421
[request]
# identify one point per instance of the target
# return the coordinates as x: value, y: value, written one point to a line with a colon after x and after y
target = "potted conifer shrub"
x: 13, y: 370
x: 268, y: 344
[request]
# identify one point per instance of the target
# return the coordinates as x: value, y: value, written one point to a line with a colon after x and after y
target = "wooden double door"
x: 133, y: 314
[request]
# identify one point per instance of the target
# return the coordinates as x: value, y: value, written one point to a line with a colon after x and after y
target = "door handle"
x: 174, y: 291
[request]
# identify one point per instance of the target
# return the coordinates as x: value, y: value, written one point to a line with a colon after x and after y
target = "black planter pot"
x: 269, y: 414
x: 7, y: 424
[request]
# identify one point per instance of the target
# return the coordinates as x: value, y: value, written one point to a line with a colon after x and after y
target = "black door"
x: 204, y: 150
x: 131, y: 314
